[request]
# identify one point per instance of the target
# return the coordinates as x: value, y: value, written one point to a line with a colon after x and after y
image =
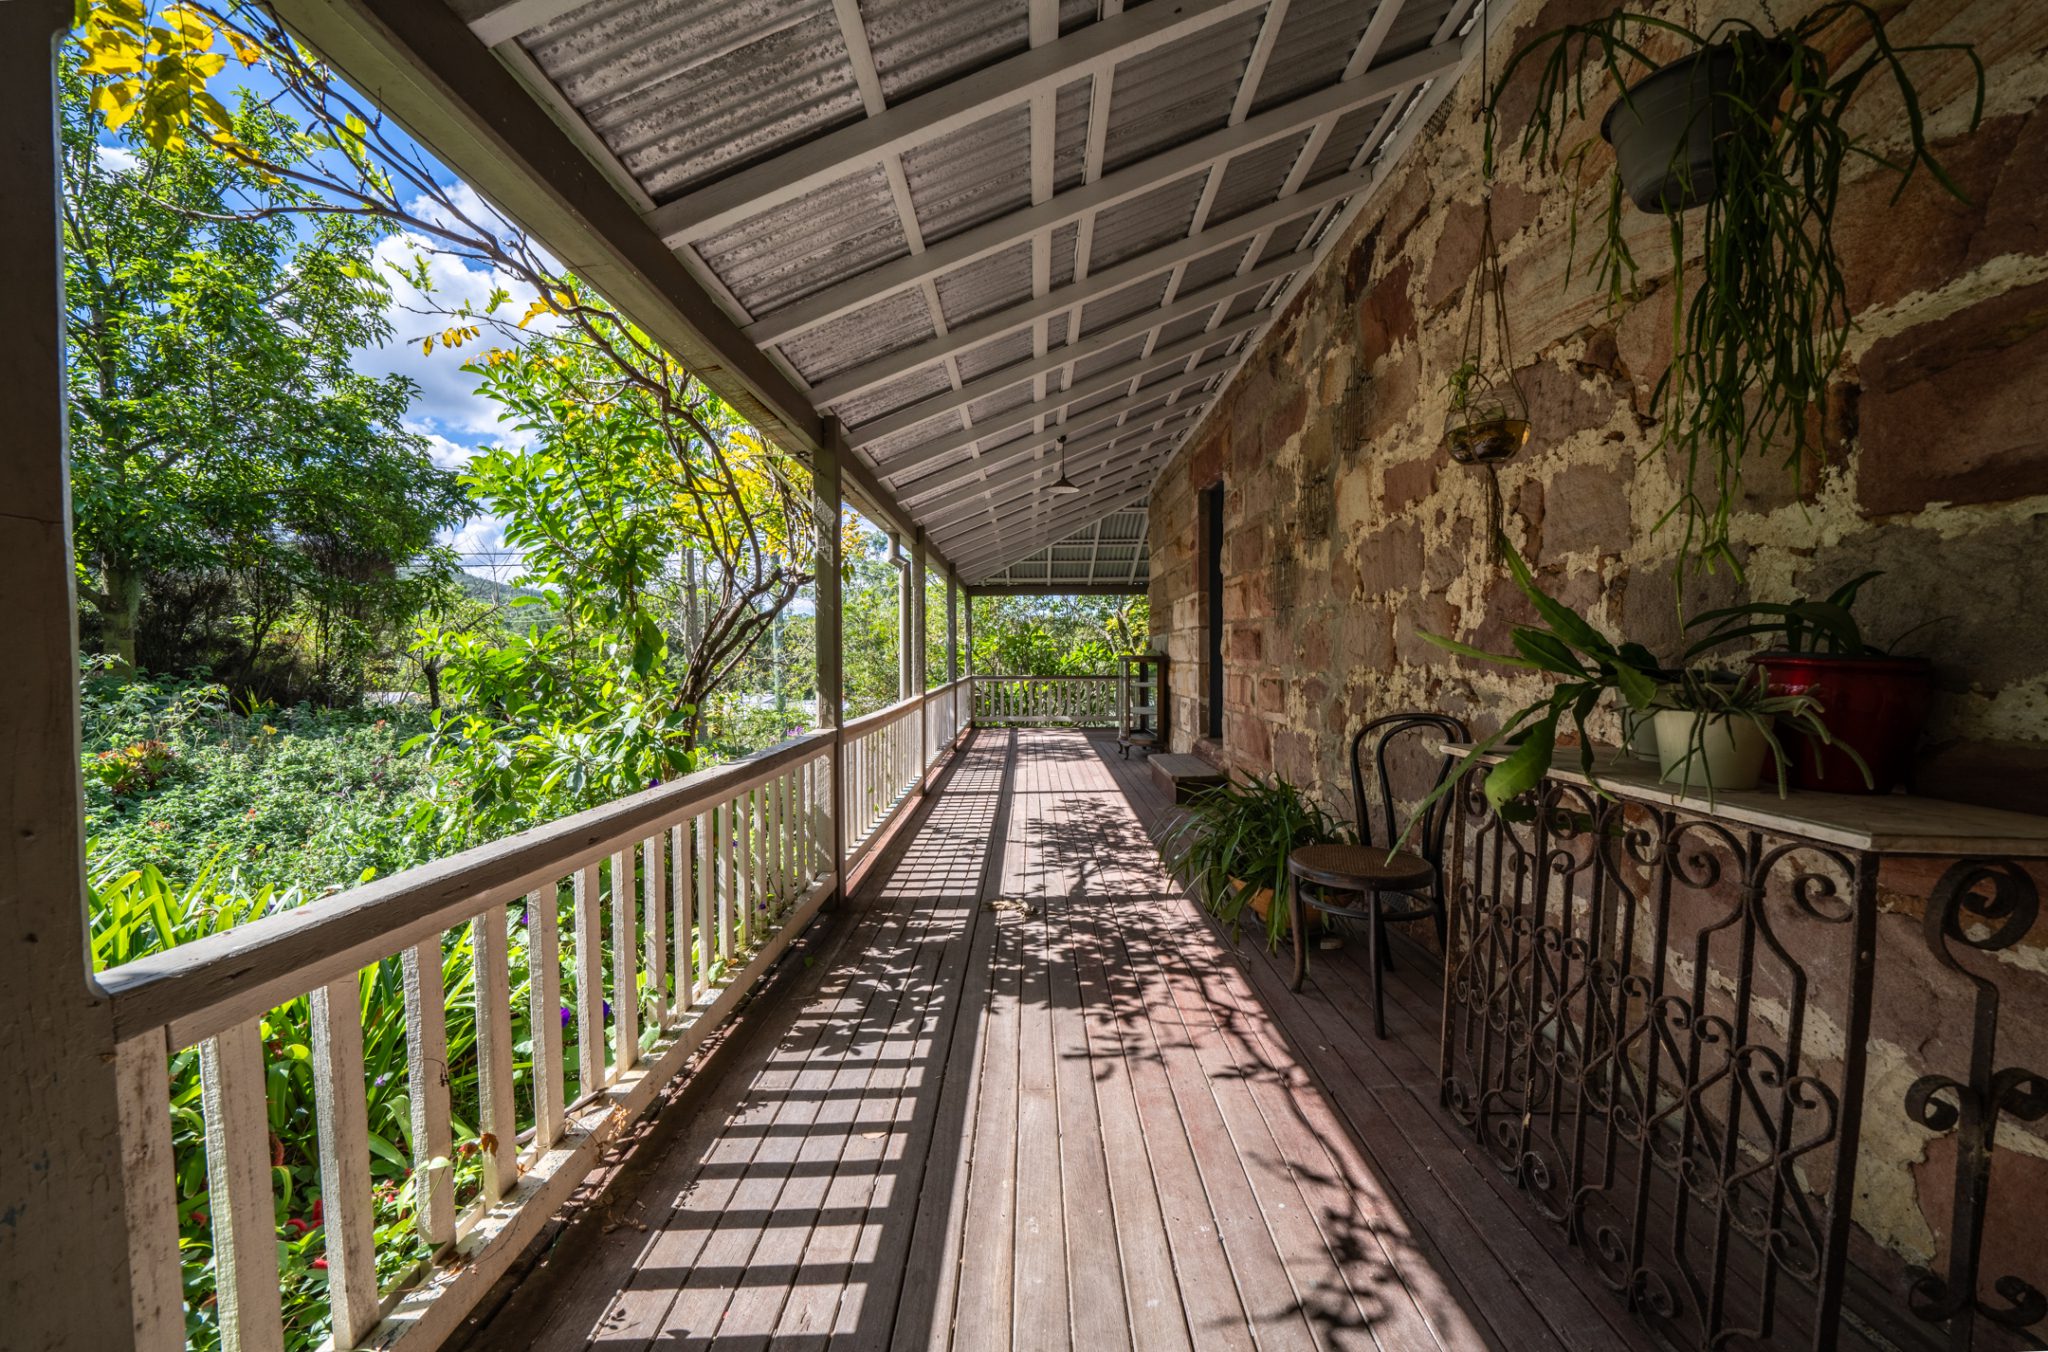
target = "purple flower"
x: 567, y: 1017
x: 607, y: 1009
x: 522, y: 917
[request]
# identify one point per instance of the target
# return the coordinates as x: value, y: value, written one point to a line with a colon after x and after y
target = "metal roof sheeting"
x: 950, y: 129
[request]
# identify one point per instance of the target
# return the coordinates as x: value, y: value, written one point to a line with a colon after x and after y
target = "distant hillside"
x: 485, y: 589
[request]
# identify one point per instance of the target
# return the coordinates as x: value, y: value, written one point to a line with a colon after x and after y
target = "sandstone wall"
x: 1340, y: 548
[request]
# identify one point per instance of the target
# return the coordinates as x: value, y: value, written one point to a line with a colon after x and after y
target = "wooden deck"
x: 1023, y: 1096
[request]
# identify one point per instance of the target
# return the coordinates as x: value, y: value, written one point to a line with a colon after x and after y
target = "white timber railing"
x: 889, y: 753
x: 1045, y: 701
x: 637, y: 927
x: 678, y: 900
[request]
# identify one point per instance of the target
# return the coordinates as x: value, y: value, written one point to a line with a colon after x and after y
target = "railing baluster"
x: 342, y: 1121
x: 247, y: 1302
x: 544, y: 1012
x: 625, y: 967
x: 726, y: 885
x: 654, y: 915
x: 589, y: 984
x: 707, y: 894
x: 683, y: 895
x: 499, y: 1127
x: 426, y: 1087
x: 149, y: 1191
x: 743, y: 854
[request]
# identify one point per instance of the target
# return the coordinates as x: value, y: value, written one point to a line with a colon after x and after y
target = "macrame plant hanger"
x: 1488, y: 421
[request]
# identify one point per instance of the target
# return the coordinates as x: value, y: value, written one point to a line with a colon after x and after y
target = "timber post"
x: 66, y: 1276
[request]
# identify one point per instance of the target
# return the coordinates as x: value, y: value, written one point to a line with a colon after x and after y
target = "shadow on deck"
x: 1022, y: 1094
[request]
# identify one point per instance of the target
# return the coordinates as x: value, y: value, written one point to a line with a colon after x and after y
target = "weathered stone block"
x: 1957, y: 410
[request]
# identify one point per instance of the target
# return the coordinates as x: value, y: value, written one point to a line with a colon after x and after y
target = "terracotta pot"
x: 1261, y: 901
x: 1877, y: 705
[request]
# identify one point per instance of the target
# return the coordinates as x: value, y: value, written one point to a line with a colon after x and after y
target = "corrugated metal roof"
x: 1109, y: 552
x: 823, y: 250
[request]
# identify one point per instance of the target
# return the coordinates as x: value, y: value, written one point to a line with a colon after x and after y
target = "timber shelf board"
x: 1893, y: 823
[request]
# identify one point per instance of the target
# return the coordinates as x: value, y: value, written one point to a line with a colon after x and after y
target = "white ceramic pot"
x: 1730, y: 757
x: 1639, y: 733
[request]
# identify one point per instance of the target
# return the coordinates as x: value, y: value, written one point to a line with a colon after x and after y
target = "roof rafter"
x: 1021, y: 483
x: 789, y: 176
x: 1100, y: 383
x: 933, y: 498
x: 1074, y: 429
x: 1117, y: 186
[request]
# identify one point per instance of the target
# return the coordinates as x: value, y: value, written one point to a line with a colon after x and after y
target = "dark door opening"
x: 1212, y: 611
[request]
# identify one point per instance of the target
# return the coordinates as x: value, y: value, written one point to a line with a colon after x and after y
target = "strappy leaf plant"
x: 1756, y: 345
x: 1585, y: 663
x: 1234, y: 842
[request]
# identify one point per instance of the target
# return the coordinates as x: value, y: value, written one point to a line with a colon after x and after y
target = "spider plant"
x: 1234, y: 842
x: 1759, y: 340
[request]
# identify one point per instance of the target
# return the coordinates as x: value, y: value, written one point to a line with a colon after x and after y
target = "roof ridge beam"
x: 786, y: 177
x: 1117, y: 186
x: 1099, y: 383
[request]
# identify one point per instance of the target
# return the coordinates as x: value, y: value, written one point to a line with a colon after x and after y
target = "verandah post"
x: 952, y: 628
x: 918, y: 656
x: 67, y: 1274
x: 825, y: 506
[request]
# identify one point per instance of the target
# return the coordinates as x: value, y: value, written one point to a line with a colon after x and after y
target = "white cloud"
x: 117, y: 159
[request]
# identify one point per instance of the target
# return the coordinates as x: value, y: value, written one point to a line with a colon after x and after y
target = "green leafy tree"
x: 218, y: 429
x: 629, y: 462
x: 1057, y: 635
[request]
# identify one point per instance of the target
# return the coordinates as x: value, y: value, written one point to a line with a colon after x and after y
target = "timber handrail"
x: 199, y: 987
x: 641, y: 924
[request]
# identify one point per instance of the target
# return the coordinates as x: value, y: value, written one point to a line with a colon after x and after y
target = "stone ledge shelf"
x: 1889, y: 824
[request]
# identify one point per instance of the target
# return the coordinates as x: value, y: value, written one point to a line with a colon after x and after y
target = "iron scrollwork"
x: 1984, y: 906
x: 1632, y: 1034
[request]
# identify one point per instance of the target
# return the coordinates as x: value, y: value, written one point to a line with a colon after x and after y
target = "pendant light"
x: 1063, y: 485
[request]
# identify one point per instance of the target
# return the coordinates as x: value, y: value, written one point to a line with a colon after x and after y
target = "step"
x: 1184, y: 776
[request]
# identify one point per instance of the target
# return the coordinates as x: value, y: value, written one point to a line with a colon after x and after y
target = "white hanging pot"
x: 1712, y: 752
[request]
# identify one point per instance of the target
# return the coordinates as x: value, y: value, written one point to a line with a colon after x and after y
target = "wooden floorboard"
x: 1031, y: 1098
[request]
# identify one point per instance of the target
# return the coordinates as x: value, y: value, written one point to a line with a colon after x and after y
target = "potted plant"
x: 1750, y: 126
x: 1875, y: 700
x: 1715, y: 730
x: 1586, y: 665
x: 1232, y: 846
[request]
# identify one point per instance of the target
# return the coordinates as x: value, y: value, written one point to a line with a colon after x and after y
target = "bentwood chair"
x: 1370, y: 881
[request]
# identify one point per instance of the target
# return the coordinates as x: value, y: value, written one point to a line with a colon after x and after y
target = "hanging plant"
x: 1747, y: 125
x: 1488, y: 420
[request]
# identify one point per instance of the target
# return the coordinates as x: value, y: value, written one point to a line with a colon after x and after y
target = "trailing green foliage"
x: 1760, y: 337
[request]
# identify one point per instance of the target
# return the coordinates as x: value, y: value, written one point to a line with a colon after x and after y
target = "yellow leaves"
x: 534, y: 311
x: 451, y: 337
x: 156, y: 71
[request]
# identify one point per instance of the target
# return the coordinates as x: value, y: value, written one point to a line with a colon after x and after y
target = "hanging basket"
x: 1670, y: 130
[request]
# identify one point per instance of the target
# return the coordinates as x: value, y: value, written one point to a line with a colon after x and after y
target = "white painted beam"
x: 935, y: 498
x: 1004, y: 322
x: 789, y: 176
x: 1020, y: 482
x: 1082, y: 433
x: 1112, y: 188
x: 1100, y: 383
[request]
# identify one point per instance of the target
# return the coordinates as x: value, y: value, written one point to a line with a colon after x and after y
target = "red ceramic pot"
x: 1878, y: 705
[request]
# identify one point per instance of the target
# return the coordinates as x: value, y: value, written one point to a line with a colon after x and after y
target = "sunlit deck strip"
x: 1024, y: 1097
